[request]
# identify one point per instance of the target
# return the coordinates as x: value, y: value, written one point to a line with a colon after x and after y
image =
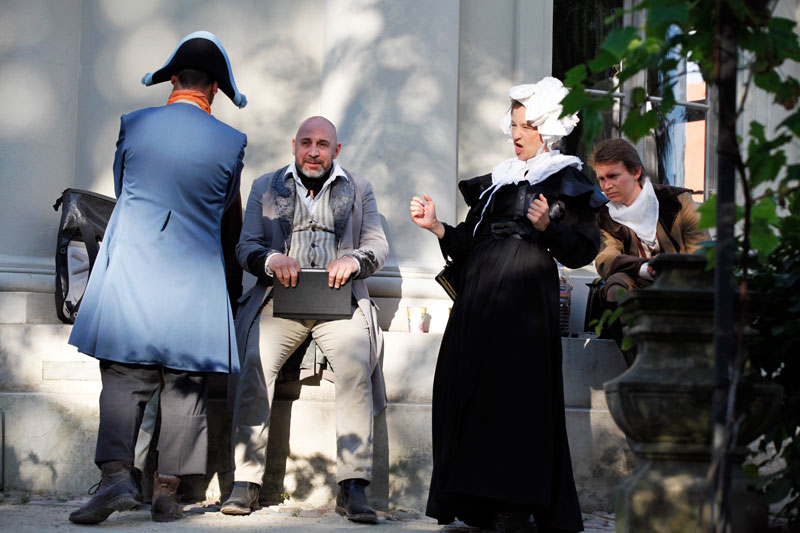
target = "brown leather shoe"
x: 165, y: 499
x: 243, y: 499
x: 117, y: 492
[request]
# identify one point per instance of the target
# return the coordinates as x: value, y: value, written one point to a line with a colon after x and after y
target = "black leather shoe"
x: 351, y: 502
x: 243, y: 499
x: 116, y: 492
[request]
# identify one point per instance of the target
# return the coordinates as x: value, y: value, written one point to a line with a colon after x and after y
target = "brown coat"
x: 677, y: 232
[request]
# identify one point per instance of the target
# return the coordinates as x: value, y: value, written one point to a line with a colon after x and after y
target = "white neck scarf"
x: 641, y: 216
x: 534, y: 170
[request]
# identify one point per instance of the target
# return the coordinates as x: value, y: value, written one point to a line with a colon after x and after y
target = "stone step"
x: 49, y: 397
x: 39, y: 359
x: 18, y: 307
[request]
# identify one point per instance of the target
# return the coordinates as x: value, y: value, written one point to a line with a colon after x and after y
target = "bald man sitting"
x: 311, y: 213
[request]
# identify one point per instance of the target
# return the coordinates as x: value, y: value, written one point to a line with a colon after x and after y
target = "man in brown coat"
x: 640, y: 221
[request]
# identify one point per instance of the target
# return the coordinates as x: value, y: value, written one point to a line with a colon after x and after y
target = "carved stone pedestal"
x: 663, y: 404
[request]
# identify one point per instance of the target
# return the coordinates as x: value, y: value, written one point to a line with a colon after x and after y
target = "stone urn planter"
x: 663, y: 404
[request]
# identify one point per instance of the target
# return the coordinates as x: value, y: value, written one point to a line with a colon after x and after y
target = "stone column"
x: 663, y: 404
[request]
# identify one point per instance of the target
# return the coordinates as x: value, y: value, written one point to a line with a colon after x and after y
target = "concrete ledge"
x: 26, y: 350
x: 34, y: 274
x: 587, y: 364
x: 27, y: 308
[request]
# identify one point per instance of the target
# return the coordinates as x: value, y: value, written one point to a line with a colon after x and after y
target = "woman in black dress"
x: 500, y: 451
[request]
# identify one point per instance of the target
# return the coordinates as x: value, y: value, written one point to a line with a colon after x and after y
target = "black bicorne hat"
x: 200, y: 50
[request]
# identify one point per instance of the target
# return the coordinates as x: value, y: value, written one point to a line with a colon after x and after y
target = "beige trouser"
x: 346, y: 346
x: 146, y: 431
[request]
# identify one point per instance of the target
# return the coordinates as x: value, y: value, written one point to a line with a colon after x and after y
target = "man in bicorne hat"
x: 156, y: 311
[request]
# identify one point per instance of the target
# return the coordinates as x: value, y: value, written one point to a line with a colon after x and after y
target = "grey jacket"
x: 268, y: 228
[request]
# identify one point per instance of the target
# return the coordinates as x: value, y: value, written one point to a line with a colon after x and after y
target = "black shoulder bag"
x: 84, y: 217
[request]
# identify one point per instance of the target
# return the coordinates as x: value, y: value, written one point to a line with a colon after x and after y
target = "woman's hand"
x: 539, y: 213
x: 423, y: 213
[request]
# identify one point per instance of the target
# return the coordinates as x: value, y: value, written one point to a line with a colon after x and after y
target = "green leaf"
x: 668, y: 13
x: 711, y: 256
x: 778, y: 490
x: 575, y: 76
x: 757, y: 131
x: 652, y: 46
x: 788, y: 93
x: 620, y: 40
x: 750, y: 470
x: 708, y: 213
x: 764, y: 160
x: 668, y: 97
x: 603, y: 62
x: 592, y: 125
x: 575, y: 100
x: 638, y: 125
x: 602, y: 321
x: 769, y: 81
x: 626, y: 344
x: 638, y: 96
x: 792, y: 122
x: 616, y: 313
x: 783, y: 39
x: 618, y: 13
x: 765, y: 166
x: 762, y: 233
x: 765, y: 210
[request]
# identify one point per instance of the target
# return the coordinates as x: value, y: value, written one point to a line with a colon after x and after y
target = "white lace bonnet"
x: 542, y: 109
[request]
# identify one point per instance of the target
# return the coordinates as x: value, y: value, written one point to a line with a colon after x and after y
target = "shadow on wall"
x: 40, y: 435
x: 389, y: 82
x: 274, y: 48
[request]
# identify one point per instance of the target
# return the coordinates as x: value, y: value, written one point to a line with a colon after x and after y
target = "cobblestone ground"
x: 22, y: 512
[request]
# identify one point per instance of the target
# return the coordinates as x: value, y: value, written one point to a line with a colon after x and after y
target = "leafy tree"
x: 723, y: 37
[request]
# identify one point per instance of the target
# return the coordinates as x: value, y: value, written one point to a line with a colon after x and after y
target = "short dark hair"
x: 194, y: 78
x: 617, y: 151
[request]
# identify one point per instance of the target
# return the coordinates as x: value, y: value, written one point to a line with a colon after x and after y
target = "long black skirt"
x: 499, y: 431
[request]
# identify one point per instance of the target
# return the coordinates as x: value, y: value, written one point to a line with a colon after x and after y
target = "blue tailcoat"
x: 157, y: 294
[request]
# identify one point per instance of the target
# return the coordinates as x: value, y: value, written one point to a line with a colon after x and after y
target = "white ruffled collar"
x: 534, y: 170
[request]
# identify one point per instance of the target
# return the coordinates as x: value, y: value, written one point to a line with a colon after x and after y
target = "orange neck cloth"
x: 196, y: 97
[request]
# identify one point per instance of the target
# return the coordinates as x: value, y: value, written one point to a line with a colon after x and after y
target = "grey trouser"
x: 271, y: 340
x: 183, y: 438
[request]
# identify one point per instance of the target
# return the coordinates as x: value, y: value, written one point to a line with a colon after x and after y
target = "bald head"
x: 317, y: 123
x: 315, y: 147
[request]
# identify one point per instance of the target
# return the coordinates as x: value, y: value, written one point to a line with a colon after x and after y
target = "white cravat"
x: 641, y: 216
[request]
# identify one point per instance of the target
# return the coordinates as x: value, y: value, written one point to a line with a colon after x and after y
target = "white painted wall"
x: 416, y: 89
x: 39, y: 47
x: 389, y: 81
